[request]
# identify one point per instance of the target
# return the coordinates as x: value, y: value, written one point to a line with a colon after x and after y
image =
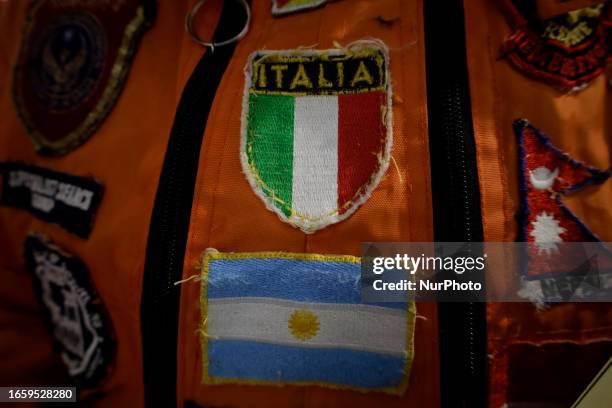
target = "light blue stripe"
x: 299, y: 280
x: 231, y: 359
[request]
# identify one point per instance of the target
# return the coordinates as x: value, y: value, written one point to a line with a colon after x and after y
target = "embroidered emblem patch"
x: 282, y: 7
x: 74, y: 59
x: 77, y: 317
x: 316, y: 130
x: 59, y: 198
x: 546, y: 175
x: 283, y: 318
x: 567, y: 51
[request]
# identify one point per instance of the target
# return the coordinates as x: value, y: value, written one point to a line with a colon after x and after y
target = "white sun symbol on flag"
x: 547, y: 232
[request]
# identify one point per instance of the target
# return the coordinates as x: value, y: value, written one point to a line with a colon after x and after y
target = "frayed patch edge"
x: 305, y: 225
x: 202, y: 330
x: 283, y: 11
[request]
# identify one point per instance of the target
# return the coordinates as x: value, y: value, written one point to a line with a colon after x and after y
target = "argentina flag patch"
x: 276, y: 318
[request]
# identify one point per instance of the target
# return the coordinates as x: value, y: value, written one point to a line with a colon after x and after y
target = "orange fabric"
x: 21, y: 326
x: 227, y: 214
x: 578, y: 123
x: 125, y: 155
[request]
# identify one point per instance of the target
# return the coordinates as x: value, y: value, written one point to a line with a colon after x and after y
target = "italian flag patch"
x: 316, y: 130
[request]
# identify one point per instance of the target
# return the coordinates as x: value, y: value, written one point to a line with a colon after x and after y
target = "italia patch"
x: 282, y: 7
x: 275, y: 318
x: 316, y: 130
x: 567, y: 51
x: 546, y: 174
x: 74, y: 59
x: 60, y: 198
x: 76, y: 315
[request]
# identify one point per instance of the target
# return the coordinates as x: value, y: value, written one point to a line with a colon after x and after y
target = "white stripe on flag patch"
x: 349, y: 326
x: 315, y: 155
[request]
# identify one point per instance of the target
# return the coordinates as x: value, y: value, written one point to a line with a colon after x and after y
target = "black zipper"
x: 456, y: 198
x: 171, y: 213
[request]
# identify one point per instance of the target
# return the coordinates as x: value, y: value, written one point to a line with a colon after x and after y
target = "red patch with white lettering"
x: 567, y: 51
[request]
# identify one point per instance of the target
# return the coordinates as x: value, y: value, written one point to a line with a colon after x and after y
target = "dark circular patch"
x: 66, y: 61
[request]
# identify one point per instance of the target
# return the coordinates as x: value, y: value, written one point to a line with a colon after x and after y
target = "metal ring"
x: 212, y: 45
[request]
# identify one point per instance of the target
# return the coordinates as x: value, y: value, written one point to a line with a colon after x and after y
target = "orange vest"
x: 168, y: 157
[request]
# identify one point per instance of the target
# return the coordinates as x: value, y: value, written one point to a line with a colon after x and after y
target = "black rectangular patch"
x: 59, y: 198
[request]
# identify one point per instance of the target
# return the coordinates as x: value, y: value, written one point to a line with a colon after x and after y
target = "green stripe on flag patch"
x: 270, y: 145
x: 315, y: 137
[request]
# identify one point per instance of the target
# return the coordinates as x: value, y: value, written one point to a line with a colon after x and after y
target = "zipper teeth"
x: 456, y: 198
x: 170, y: 218
x: 460, y: 157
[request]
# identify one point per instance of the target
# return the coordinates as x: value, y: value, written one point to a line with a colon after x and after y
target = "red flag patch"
x: 547, y: 174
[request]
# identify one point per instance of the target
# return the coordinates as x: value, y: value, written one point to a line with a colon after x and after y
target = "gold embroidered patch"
x: 73, y: 61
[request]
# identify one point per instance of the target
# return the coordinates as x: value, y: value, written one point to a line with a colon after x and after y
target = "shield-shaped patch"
x: 75, y: 313
x: 74, y: 59
x: 316, y: 130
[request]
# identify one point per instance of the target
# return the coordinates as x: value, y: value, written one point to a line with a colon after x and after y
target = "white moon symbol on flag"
x: 542, y: 178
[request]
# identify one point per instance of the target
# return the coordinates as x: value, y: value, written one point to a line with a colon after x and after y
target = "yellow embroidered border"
x: 212, y: 254
x: 113, y: 87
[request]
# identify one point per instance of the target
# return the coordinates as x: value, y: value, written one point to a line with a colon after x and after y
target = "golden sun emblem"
x: 303, y: 324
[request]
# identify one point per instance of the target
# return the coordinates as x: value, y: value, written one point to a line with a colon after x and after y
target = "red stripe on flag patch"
x: 361, y: 137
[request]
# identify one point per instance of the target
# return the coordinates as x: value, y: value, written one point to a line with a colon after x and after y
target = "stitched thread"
x: 212, y: 254
x: 280, y: 9
x: 102, y: 108
x: 567, y: 65
x: 546, y: 173
x: 267, y: 193
x: 195, y: 278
